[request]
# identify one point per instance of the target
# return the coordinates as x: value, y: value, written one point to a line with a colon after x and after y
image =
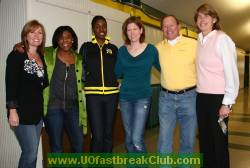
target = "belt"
x: 179, y: 91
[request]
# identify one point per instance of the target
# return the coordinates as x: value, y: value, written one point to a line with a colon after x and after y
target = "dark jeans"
x: 213, y: 142
x: 56, y: 121
x: 28, y: 137
x: 101, y: 111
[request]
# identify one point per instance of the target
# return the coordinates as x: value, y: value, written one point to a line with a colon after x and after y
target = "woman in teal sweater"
x: 134, y: 64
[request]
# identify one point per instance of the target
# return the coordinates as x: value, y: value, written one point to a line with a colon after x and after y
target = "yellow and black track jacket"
x: 99, y: 62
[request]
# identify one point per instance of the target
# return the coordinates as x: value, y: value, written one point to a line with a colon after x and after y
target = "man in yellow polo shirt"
x: 177, y: 100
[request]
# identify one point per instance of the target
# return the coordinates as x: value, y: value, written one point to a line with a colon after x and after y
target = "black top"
x: 25, y: 82
x: 99, y: 63
x: 63, y: 87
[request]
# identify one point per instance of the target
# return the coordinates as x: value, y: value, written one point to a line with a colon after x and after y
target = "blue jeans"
x: 134, y: 117
x: 28, y: 137
x: 56, y: 121
x: 181, y: 108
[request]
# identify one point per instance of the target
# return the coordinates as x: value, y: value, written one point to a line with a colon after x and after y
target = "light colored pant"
x: 181, y: 108
x: 134, y: 117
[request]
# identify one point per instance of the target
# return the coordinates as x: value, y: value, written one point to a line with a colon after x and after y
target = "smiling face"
x: 205, y: 23
x: 133, y: 32
x: 35, y: 37
x: 65, y: 41
x: 100, y: 29
x: 170, y: 28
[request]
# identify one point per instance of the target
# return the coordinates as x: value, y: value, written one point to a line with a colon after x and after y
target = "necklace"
x: 36, y: 58
x: 136, y: 50
x: 33, y: 55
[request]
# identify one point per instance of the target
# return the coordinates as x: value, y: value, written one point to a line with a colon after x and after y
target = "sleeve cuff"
x: 12, y: 105
x: 227, y: 101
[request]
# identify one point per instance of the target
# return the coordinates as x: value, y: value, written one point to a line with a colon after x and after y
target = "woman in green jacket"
x: 64, y: 100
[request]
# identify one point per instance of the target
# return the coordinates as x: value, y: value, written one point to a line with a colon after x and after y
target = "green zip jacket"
x: 50, y: 59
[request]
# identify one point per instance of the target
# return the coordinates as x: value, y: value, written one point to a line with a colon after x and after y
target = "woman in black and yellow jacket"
x: 101, y: 86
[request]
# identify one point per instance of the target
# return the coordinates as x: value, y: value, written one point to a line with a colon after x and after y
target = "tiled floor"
x: 239, y: 134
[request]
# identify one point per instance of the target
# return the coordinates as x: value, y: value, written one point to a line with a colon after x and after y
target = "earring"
x: 72, y: 41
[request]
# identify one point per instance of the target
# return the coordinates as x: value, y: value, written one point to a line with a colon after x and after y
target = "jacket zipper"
x: 64, y: 88
x: 102, y: 68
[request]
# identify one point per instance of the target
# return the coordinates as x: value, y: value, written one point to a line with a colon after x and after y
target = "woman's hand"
x: 13, y: 118
x: 224, y: 111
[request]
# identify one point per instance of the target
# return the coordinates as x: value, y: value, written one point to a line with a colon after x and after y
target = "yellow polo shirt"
x: 177, y: 62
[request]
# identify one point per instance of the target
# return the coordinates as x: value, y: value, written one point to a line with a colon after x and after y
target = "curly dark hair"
x: 59, y: 31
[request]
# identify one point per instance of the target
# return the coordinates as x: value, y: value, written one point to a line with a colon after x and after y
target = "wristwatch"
x: 228, y: 106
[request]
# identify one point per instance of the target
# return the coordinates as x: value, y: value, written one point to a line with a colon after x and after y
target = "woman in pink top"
x: 217, y: 87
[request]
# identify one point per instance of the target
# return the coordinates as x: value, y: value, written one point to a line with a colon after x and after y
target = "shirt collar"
x: 107, y: 39
x: 203, y: 39
x: 174, y: 41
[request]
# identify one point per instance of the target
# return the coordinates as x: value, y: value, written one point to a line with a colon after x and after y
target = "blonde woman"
x: 26, y: 77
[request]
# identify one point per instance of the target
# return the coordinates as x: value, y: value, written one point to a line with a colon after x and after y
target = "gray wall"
x: 12, y: 18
